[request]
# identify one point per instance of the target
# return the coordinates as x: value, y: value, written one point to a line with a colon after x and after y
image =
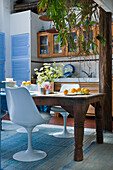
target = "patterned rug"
x: 59, y: 151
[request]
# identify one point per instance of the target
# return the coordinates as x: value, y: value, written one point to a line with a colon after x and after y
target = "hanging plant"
x: 77, y: 15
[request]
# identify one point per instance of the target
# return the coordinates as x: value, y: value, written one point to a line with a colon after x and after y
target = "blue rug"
x: 59, y: 151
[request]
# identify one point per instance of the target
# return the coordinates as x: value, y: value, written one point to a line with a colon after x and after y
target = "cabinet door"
x: 2, y: 46
x: 20, y: 46
x: 69, y: 51
x: 2, y: 71
x: 21, y: 70
x: 92, y: 35
x: 43, y: 47
x: 57, y: 50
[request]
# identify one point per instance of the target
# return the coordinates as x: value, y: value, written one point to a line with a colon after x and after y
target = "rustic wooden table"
x: 77, y: 106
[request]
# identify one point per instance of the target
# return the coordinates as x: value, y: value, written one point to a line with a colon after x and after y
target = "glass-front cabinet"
x: 48, y: 46
x: 43, y: 40
x: 69, y: 50
x: 57, y: 50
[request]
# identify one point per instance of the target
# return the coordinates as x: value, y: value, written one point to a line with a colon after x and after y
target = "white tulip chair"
x: 23, y: 111
x: 33, y: 87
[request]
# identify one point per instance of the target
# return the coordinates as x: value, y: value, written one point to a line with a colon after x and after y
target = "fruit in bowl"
x: 86, y: 91
x: 23, y: 83
x: 78, y: 89
x: 82, y: 89
x: 65, y: 91
x: 73, y: 90
x: 28, y: 83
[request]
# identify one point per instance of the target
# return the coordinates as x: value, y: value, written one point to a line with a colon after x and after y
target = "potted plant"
x: 47, y: 74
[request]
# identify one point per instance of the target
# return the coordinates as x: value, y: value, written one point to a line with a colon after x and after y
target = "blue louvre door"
x: 2, y: 71
x: 21, y: 70
x: 20, y: 57
x: 2, y: 56
x: 20, y: 46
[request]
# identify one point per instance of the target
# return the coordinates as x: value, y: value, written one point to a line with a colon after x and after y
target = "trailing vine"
x: 78, y: 16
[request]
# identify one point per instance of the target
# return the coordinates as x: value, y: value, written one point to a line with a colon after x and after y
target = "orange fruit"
x: 73, y: 90
x: 78, y: 89
x: 65, y: 91
x: 86, y: 91
x: 23, y: 83
x: 28, y: 83
x: 82, y: 89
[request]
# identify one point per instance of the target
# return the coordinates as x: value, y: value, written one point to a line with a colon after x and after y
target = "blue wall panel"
x: 20, y: 46
x: 2, y: 46
x: 2, y: 71
x: 21, y: 70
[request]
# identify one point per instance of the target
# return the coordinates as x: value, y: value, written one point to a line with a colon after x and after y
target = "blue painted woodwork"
x: 21, y: 70
x: 20, y: 54
x: 2, y: 71
x: 3, y: 103
x: 2, y: 56
x: 20, y: 45
x: 2, y: 46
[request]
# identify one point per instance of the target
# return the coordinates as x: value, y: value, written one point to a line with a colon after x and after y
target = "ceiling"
x: 22, y: 5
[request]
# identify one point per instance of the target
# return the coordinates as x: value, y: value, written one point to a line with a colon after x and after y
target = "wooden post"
x: 105, y: 67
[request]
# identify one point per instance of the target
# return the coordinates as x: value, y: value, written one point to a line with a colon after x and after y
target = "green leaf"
x: 101, y: 39
x: 92, y: 23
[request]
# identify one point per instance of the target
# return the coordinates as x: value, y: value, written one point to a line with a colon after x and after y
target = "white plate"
x: 74, y: 94
x: 71, y: 94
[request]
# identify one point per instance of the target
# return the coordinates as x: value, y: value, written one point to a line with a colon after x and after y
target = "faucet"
x: 89, y: 75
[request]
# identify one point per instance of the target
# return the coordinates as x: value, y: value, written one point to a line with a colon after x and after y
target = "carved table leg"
x: 99, y: 122
x: 79, y: 118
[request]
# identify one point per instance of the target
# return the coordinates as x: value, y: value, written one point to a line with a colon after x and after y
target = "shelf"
x: 57, y: 52
x: 57, y: 44
x: 43, y: 44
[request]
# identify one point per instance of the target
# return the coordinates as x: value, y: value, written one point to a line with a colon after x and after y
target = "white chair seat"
x: 46, y: 116
x: 57, y: 109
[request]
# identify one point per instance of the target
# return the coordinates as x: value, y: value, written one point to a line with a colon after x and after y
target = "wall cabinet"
x: 48, y: 47
x: 56, y: 49
x: 43, y: 47
x: 69, y: 51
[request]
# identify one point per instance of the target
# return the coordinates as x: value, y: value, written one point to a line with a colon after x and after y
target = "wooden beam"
x: 105, y: 67
x: 26, y: 6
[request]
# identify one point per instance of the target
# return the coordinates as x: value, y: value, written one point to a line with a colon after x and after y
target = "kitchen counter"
x: 77, y: 80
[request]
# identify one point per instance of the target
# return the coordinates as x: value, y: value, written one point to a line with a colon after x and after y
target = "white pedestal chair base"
x: 63, y: 135
x: 25, y: 156
x: 23, y: 130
